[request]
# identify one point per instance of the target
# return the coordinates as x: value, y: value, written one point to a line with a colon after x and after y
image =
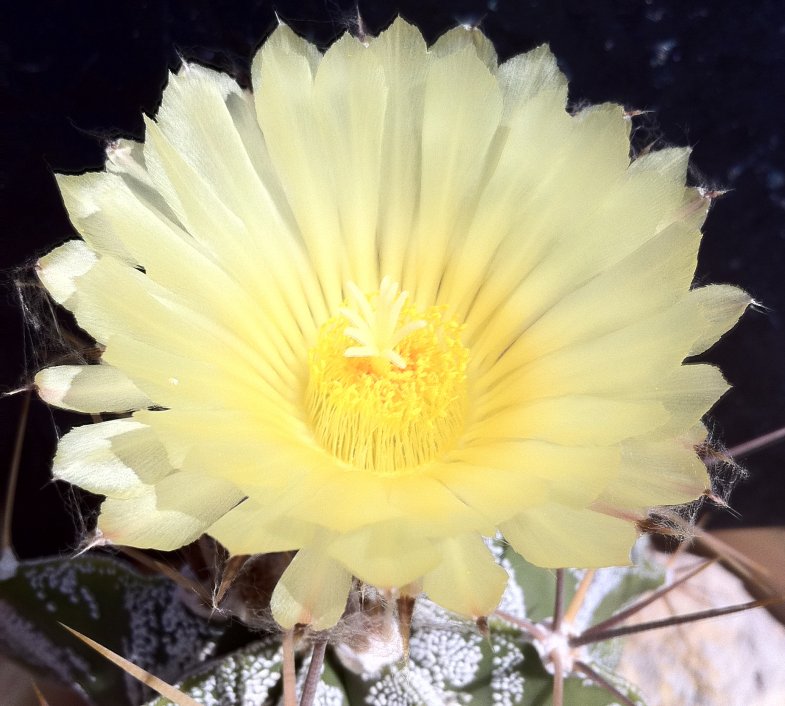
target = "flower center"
x: 387, y: 385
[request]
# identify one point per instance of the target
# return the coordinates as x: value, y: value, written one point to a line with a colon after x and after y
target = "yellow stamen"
x: 397, y: 398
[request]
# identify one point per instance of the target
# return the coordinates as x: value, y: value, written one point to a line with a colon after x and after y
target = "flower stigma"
x: 387, y: 382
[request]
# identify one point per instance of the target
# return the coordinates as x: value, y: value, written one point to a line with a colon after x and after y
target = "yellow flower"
x: 395, y: 300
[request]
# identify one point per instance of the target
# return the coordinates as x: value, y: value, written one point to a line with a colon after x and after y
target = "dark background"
x: 74, y: 75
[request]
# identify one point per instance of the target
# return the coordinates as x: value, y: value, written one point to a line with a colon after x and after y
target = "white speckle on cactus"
x: 443, y: 658
x: 328, y: 695
x: 507, y: 688
x: 63, y: 580
x: 253, y: 670
x: 451, y: 656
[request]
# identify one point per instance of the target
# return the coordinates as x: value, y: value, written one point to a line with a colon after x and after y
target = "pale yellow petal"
x: 572, y: 420
x: 496, y: 493
x: 467, y: 578
x: 515, y: 194
x: 721, y: 306
x: 402, y: 53
x: 208, y: 142
x: 459, y: 38
x: 283, y: 74
x: 126, y: 166
x: 111, y: 297
x: 652, y: 278
x: 632, y: 358
x: 351, y: 129
x: 273, y: 468
x: 576, y: 212
x: 572, y: 240
x: 556, y: 536
x: 59, y: 269
x: 273, y: 268
x: 246, y: 529
x: 119, y: 458
x: 496, y: 324
x: 657, y: 473
x: 343, y: 500
x: 688, y: 393
x: 242, y: 110
x: 671, y: 162
x: 208, y: 147
x: 266, y: 461
x: 524, y: 76
x: 177, y: 379
x: 173, y: 512
x: 431, y: 506
x: 89, y: 388
x: 387, y: 554
x: 246, y: 439
x: 525, y: 473
x: 451, y: 175
x: 312, y: 591
x: 126, y: 158
x: 87, y: 215
x: 114, y: 299
x: 183, y: 265
x: 282, y: 247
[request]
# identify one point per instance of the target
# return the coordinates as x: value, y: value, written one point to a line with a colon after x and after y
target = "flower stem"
x: 558, y: 679
x: 526, y: 625
x: 289, y: 676
x: 314, y: 671
x: 558, y: 604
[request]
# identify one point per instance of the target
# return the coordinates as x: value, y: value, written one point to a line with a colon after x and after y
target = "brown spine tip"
x: 231, y: 570
x: 405, y: 606
x: 482, y: 626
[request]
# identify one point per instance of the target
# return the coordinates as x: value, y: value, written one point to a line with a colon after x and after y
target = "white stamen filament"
x: 375, y: 327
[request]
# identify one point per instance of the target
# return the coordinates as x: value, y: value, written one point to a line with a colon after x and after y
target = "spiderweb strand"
x: 6, y: 543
